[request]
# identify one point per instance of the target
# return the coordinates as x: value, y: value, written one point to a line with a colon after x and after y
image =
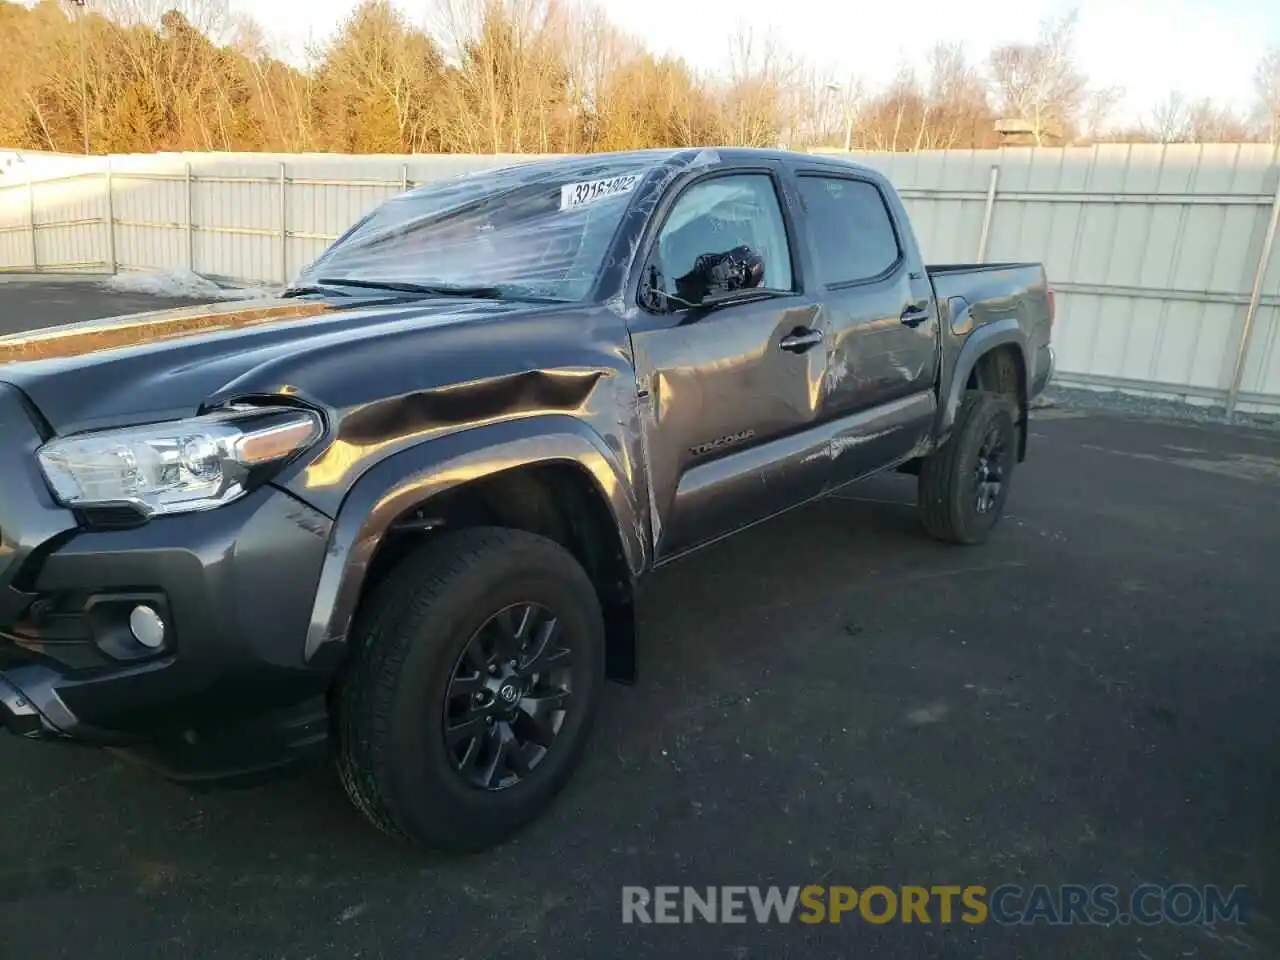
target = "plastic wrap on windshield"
x: 539, y: 229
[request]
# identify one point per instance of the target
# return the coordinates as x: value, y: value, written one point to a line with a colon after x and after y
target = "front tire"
x: 963, y: 486
x: 473, y: 689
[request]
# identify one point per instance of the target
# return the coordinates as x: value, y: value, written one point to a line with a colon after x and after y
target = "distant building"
x: 1022, y: 133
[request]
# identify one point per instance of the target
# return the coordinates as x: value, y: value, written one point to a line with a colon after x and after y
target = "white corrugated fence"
x: 1157, y: 252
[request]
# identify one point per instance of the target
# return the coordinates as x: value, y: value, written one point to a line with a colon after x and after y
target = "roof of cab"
x: 658, y: 155
x: 546, y: 167
x: 789, y: 157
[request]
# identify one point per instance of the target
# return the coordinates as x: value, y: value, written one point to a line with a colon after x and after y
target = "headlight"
x: 181, y: 466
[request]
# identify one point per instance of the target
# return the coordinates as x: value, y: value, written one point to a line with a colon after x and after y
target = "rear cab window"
x: 854, y: 239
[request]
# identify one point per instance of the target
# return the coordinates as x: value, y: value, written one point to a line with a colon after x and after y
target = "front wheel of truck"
x: 478, y: 668
x: 963, y: 485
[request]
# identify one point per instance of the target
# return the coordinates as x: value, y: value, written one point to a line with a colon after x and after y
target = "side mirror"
x: 716, y: 274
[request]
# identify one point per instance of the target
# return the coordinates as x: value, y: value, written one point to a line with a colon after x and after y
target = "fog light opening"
x: 147, y: 627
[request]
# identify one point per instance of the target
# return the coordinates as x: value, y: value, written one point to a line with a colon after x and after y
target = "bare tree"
x: 511, y: 84
x: 593, y: 49
x: 1098, y: 110
x: 956, y: 108
x: 755, y: 101
x: 212, y: 18
x: 1170, y: 119
x: 1209, y: 122
x: 892, y: 119
x: 1039, y: 83
x: 1266, y: 80
x: 838, y: 106
x: 376, y: 83
x: 1179, y: 120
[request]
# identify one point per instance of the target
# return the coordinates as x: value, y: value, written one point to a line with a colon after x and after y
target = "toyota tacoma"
x: 397, y: 515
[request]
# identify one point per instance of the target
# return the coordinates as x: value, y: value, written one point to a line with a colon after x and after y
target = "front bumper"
x: 234, y: 586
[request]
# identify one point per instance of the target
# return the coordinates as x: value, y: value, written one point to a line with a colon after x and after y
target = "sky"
x: 1148, y: 48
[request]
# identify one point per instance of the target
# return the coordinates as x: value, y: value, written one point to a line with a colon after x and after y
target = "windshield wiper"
x: 728, y: 299
x: 507, y: 291
x: 429, y: 289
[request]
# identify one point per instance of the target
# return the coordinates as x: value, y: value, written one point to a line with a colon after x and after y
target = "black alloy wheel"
x: 508, y: 696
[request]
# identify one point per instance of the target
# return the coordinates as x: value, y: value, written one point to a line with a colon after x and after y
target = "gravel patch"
x: 1128, y: 404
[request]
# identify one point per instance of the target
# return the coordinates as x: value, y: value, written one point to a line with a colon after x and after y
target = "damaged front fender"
x: 414, y: 476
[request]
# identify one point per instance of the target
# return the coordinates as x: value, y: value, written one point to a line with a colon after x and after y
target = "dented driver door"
x: 727, y: 395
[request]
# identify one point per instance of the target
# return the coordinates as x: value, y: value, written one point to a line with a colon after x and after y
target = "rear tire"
x: 963, y: 485
x: 433, y: 708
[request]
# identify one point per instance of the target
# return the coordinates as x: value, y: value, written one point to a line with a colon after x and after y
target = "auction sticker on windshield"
x: 576, y: 194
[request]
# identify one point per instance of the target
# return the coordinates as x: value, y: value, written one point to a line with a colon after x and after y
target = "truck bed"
x: 938, y: 269
x: 982, y: 281
x: 973, y: 295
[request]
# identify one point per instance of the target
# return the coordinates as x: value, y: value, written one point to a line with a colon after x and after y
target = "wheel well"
x: 559, y: 501
x: 1003, y: 370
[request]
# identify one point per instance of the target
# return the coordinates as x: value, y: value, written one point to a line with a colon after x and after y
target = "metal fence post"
x: 284, y: 225
x: 191, y: 236
x: 1255, y: 297
x: 111, y: 222
x: 31, y: 216
x: 404, y: 177
x: 987, y: 214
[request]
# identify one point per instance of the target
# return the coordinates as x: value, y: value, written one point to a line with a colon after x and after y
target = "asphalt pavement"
x: 1092, y: 697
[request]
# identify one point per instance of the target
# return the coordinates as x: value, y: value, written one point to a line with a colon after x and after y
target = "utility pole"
x: 847, y: 109
x: 84, y: 72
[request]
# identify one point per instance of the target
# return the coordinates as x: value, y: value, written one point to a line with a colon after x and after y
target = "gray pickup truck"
x: 397, y: 515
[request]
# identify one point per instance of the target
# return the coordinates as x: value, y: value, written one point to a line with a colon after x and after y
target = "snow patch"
x: 182, y: 284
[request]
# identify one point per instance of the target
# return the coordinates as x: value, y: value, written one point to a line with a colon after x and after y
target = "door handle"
x: 800, y: 339
x: 915, y: 313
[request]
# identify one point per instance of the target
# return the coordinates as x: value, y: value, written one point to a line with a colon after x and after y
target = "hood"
x: 168, y: 364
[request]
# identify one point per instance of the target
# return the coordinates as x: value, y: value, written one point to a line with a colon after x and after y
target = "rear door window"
x: 852, y: 228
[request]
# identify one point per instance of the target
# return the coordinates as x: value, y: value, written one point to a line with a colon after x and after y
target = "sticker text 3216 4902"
x: 576, y: 194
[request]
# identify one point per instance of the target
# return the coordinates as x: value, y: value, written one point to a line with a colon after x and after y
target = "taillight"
x: 1053, y: 309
